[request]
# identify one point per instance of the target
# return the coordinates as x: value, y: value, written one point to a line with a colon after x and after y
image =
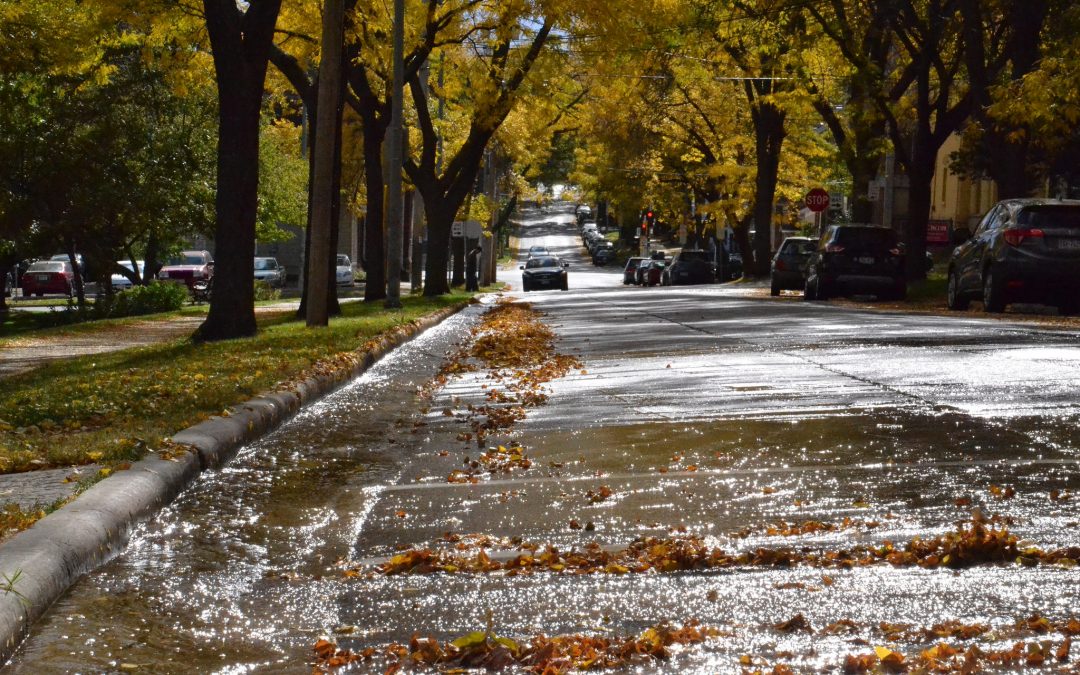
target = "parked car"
x: 120, y: 282
x: 594, y: 241
x: 269, y: 271
x: 689, y: 266
x: 1024, y: 250
x: 48, y: 276
x: 604, y: 254
x: 788, y: 270
x: 653, y: 274
x: 538, y: 251
x: 344, y: 271
x: 188, y: 267
x: 856, y: 259
x: 586, y: 228
x: 630, y: 271
x: 544, y: 272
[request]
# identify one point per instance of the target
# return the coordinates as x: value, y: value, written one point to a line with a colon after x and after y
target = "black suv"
x: 856, y: 259
x: 1024, y: 250
x: 689, y: 266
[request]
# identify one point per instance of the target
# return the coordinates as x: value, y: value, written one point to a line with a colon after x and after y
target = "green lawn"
x: 116, y: 407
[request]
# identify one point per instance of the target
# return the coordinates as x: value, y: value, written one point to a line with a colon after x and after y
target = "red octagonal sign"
x: 817, y: 200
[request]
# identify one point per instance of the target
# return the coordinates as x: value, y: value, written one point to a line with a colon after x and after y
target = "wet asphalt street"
x: 704, y: 410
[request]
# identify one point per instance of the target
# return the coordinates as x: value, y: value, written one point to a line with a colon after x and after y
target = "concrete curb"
x: 42, y: 562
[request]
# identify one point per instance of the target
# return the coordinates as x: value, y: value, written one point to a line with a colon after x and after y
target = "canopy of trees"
x: 127, y: 127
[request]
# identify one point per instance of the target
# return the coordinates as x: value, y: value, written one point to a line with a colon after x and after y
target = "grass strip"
x: 116, y: 407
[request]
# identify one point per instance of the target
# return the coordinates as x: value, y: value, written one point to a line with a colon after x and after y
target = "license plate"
x: 865, y: 260
x: 43, y: 277
x: 1068, y: 244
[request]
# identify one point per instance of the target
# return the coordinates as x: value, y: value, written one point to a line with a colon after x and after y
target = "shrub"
x: 157, y: 297
x: 264, y: 291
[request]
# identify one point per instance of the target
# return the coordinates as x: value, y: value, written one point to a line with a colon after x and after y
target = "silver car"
x: 344, y: 272
x: 269, y: 271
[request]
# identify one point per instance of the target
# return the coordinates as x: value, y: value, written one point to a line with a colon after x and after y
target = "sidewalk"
x: 21, y: 354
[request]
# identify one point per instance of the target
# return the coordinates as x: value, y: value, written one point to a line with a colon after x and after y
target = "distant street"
x: 697, y: 411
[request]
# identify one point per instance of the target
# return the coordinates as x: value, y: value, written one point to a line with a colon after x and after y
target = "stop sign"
x: 817, y: 200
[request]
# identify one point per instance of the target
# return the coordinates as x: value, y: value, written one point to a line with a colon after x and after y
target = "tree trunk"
x: 439, y: 220
x: 769, y: 138
x: 232, y: 308
x: 921, y: 177
x: 240, y: 41
x: 374, y: 241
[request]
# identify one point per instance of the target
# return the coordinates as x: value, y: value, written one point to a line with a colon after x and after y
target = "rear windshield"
x: 343, y: 261
x: 799, y: 247
x: 687, y: 256
x: 633, y: 263
x: 265, y: 264
x: 865, y: 237
x: 541, y: 262
x: 1051, y: 216
x: 187, y: 260
x: 46, y: 266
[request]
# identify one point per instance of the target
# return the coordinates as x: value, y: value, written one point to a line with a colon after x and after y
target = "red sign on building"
x: 937, y: 231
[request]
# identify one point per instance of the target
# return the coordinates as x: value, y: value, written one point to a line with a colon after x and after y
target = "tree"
x: 495, y: 79
x: 241, y: 37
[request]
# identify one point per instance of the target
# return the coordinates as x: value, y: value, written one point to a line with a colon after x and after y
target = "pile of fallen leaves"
x: 783, y: 528
x: 518, y: 350
x: 541, y: 654
x: 497, y: 460
x: 946, y: 658
x: 970, y: 544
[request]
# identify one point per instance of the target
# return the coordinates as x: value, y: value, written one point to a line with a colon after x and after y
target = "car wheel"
x: 993, y: 292
x: 810, y: 291
x: 954, y: 299
x: 774, y: 290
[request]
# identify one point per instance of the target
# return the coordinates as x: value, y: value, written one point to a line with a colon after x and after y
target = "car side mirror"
x: 566, y: 264
x: 960, y: 235
x: 521, y: 267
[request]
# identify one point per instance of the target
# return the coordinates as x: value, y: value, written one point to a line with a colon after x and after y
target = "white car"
x: 120, y: 282
x: 344, y: 271
x: 269, y: 271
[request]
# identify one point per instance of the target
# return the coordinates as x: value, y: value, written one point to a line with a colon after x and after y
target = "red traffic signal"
x: 649, y: 214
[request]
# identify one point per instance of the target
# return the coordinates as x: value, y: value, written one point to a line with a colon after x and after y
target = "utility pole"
x: 333, y: 36
x: 394, y: 152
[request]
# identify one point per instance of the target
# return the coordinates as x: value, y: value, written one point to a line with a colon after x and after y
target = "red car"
x: 654, y: 275
x: 188, y: 267
x: 48, y: 276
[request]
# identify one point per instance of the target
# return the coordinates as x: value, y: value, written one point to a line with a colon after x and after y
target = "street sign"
x: 817, y: 200
x: 457, y: 230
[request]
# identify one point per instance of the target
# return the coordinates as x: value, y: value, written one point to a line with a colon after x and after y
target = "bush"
x: 264, y: 291
x: 157, y: 297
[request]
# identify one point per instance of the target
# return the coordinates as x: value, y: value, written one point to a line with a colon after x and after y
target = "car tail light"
x: 895, y: 251
x: 834, y: 248
x: 780, y: 265
x: 1016, y: 236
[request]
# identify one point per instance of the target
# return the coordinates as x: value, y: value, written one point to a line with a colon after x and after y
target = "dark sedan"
x: 1024, y: 250
x: 544, y: 272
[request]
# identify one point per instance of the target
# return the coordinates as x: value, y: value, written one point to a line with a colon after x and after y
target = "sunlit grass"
x: 114, y: 407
